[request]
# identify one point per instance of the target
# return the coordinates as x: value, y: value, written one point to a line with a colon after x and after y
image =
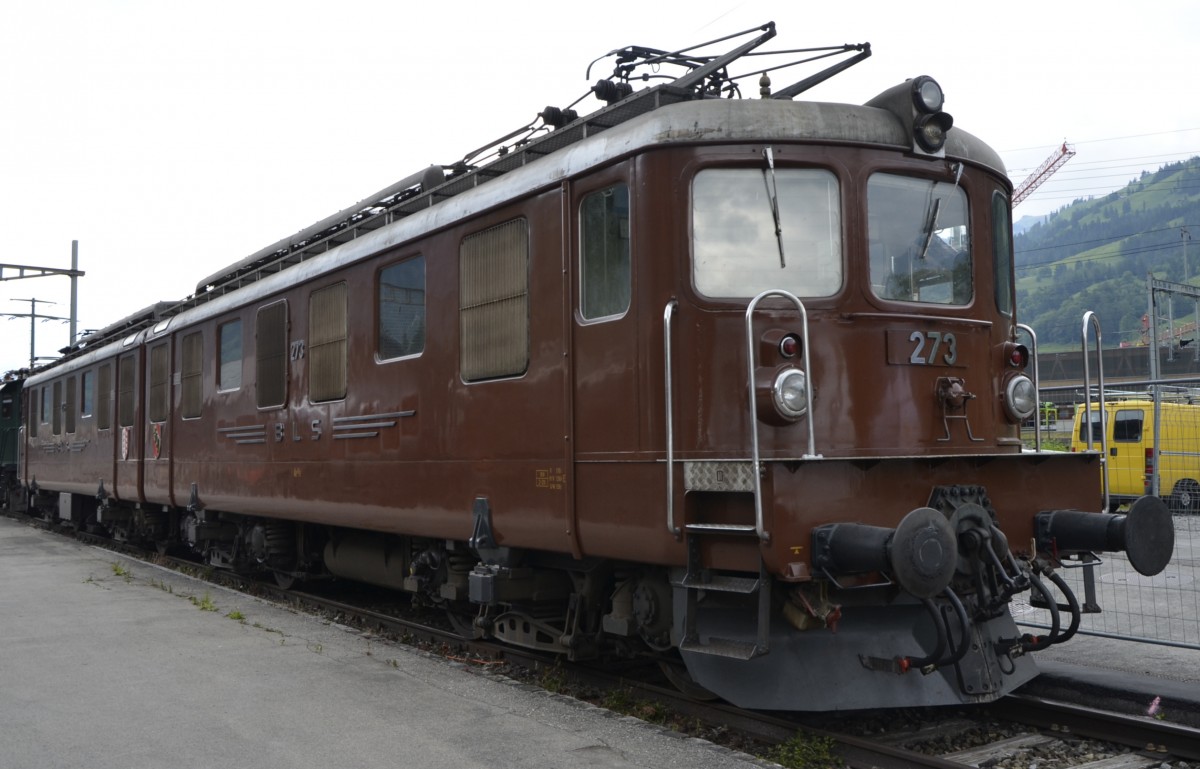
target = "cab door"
x: 608, y: 368
x: 605, y: 340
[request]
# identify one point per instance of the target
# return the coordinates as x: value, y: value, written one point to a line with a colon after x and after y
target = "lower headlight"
x: 1020, y: 398
x: 788, y: 392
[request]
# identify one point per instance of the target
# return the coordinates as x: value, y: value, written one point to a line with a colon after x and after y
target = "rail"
x: 751, y: 364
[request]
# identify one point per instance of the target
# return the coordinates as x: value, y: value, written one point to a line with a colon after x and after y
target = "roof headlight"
x: 927, y: 94
x: 918, y: 105
x: 929, y: 131
x: 1020, y: 398
x: 788, y: 394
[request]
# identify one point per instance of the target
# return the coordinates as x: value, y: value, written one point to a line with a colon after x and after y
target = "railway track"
x: 1037, y: 733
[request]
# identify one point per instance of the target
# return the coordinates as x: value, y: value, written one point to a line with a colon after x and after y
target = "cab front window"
x: 920, y: 243
x: 756, y: 229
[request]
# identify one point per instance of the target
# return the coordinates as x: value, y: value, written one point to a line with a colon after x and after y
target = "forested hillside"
x: 1095, y: 255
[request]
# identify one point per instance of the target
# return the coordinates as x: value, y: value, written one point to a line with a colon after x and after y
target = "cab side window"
x: 604, y: 277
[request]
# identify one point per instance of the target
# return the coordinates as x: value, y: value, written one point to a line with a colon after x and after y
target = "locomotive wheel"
x: 1185, y: 497
x: 682, y: 680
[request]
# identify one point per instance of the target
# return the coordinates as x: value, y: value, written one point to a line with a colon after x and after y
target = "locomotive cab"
x: 862, y: 275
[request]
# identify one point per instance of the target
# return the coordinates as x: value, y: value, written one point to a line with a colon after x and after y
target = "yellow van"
x: 1132, y: 456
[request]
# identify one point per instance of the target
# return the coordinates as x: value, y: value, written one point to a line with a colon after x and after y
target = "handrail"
x: 1090, y: 316
x: 1037, y: 385
x: 751, y: 364
x: 668, y: 312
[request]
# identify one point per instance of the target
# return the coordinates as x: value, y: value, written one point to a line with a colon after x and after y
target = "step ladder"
x: 740, y: 476
x: 699, y: 579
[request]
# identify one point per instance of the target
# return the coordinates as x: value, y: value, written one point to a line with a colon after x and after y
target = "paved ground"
x: 149, y: 668
x: 106, y: 670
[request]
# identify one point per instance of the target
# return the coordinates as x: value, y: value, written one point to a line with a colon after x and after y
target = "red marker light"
x: 789, y: 346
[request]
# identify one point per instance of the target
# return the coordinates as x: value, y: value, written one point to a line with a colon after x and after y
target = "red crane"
x: 1044, y: 171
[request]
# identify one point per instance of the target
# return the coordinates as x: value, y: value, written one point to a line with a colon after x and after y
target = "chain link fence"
x: 1150, y: 433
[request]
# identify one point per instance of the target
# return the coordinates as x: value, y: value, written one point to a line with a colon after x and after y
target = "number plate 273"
x: 922, y: 348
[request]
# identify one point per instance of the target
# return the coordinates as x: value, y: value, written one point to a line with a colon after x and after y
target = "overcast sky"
x: 171, y: 140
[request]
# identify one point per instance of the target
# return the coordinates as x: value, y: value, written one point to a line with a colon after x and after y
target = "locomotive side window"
x: 402, y: 309
x: 56, y: 415
x: 1002, y: 258
x: 69, y: 405
x: 104, y: 397
x: 327, y: 343
x: 737, y: 251
x: 160, y: 379
x: 87, y: 394
x: 125, y: 383
x: 45, y: 405
x: 920, y: 243
x: 33, y: 415
x: 271, y: 355
x: 604, y: 278
x: 191, y: 380
x: 493, y: 302
x: 229, y: 340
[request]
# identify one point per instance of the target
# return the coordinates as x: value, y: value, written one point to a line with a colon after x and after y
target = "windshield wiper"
x: 931, y: 227
x: 772, y: 194
x: 931, y: 223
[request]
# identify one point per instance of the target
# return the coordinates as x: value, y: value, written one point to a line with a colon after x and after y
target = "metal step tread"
x: 722, y: 583
x: 722, y: 647
x: 721, y: 528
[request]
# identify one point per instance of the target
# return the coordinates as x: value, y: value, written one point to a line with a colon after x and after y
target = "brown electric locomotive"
x: 732, y: 383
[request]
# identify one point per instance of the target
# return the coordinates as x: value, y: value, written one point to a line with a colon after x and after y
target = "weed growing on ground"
x: 625, y: 702
x: 163, y: 586
x: 267, y: 629
x: 205, y: 603
x: 805, y: 752
x: 618, y: 700
x: 122, y: 572
x: 553, y: 679
x: 237, y: 615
